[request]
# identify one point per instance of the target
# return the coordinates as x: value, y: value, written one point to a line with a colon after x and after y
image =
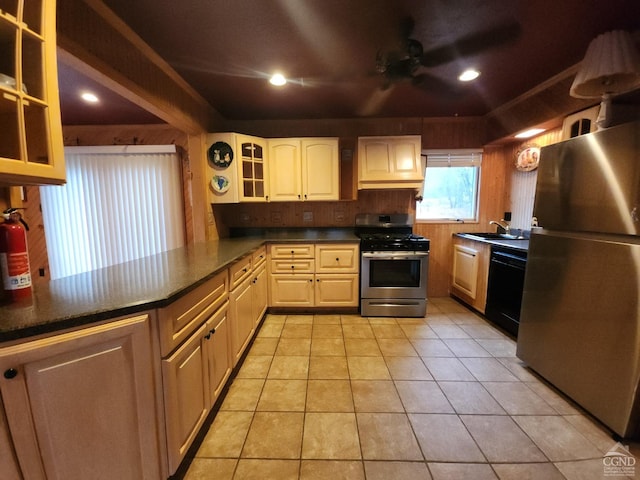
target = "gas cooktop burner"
x: 388, y: 232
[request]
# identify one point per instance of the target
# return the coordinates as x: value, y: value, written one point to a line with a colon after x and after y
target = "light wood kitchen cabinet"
x: 241, y: 318
x: 470, y: 272
x: 308, y: 275
x: 242, y: 177
x: 186, y: 394
x: 304, y: 169
x: 259, y: 285
x: 8, y: 460
x: 337, y: 278
x: 31, y: 148
x: 390, y: 162
x: 196, y: 361
x: 82, y: 404
x: 194, y: 376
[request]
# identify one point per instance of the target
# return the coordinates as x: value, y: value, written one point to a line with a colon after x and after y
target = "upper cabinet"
x: 390, y: 162
x: 304, y: 169
x: 237, y: 168
x: 31, y: 148
x: 580, y: 123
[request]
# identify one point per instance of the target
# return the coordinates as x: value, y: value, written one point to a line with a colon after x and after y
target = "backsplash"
x: 313, y: 214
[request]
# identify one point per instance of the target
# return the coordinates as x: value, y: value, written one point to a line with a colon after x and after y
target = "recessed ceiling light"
x: 277, y: 79
x: 530, y: 133
x: 89, y: 97
x: 468, y: 75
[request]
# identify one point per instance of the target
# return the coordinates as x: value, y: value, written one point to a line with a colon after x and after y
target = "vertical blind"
x: 120, y: 203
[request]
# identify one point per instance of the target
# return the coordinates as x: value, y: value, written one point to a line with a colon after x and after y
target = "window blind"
x: 453, y: 158
x: 120, y: 203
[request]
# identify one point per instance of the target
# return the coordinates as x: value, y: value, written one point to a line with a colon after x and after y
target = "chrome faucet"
x: 502, y: 224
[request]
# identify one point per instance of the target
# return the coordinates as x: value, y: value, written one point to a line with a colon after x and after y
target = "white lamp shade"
x: 611, y: 65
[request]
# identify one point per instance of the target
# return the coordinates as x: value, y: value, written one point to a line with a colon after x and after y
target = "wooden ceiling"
x: 328, y: 48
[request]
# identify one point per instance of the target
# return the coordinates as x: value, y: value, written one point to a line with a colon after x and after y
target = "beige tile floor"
x: 441, y: 397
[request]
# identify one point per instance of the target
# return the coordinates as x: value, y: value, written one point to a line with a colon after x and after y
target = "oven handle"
x: 396, y: 255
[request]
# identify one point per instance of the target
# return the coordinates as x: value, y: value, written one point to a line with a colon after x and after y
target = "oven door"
x: 388, y: 275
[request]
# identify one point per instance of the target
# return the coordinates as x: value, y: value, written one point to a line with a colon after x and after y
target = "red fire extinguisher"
x: 14, y: 258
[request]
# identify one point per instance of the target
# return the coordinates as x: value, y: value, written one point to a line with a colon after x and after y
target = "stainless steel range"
x: 394, y: 266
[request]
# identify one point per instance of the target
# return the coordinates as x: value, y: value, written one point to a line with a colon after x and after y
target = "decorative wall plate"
x: 528, y: 157
x: 220, y: 155
x: 220, y: 183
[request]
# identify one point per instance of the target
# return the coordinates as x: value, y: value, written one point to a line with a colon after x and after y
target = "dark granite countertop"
x: 143, y: 284
x: 522, y: 244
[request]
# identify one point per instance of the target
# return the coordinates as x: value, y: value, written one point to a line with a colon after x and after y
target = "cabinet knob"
x: 298, y: 195
x: 292, y: 267
x: 338, y: 259
x: 212, y: 331
x: 10, y: 373
x: 244, y: 270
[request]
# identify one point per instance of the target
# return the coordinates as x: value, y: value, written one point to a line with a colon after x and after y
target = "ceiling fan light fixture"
x: 469, y: 75
x: 278, y: 80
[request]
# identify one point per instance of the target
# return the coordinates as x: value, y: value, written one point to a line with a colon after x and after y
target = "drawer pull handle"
x: 10, y: 373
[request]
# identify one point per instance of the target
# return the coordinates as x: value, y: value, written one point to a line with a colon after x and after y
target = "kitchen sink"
x: 495, y: 236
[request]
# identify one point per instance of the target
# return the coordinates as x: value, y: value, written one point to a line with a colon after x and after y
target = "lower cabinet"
x: 314, y: 275
x: 241, y: 315
x: 259, y: 289
x: 193, y: 377
x: 470, y: 272
x: 82, y: 404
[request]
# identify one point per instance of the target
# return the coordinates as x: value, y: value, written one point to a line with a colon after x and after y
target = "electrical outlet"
x: 307, y: 216
x: 338, y: 216
x: 244, y: 218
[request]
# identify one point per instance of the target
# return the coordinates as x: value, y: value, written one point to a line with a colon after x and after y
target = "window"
x: 120, y: 203
x: 451, y: 186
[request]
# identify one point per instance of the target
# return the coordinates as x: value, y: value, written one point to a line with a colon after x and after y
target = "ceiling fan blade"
x: 473, y: 44
x: 432, y: 84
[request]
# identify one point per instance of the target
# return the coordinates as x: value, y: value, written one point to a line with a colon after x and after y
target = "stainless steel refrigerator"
x: 580, y: 318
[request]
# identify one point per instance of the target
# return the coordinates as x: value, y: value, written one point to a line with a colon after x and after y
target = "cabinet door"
x: 253, y: 168
x: 336, y: 290
x: 82, y: 404
x: 31, y: 148
x: 240, y: 318
x: 405, y: 159
x: 285, y: 176
x: 219, y: 352
x: 185, y: 394
x: 465, y: 269
x: 291, y: 290
x: 320, y: 169
x: 259, y: 288
x: 390, y: 162
x: 8, y: 460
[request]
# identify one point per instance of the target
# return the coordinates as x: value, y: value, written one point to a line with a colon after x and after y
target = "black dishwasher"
x: 505, y: 286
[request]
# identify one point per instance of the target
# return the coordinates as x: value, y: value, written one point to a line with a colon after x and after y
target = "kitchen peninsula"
x: 135, y: 355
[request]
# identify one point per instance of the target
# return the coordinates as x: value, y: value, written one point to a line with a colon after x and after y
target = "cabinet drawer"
x: 239, y: 271
x: 305, y: 265
x: 338, y: 258
x: 259, y: 257
x: 178, y: 320
x: 293, y: 250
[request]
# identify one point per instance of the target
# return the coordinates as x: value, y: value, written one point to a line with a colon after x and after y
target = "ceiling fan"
x: 408, y: 57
